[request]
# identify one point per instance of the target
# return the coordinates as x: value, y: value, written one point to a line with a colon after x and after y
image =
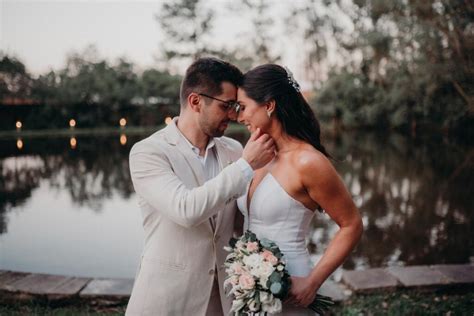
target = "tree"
x: 15, y: 82
x: 412, y: 59
x: 186, y: 25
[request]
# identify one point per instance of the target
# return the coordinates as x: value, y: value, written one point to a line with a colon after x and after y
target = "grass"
x: 402, y: 302
x: 410, y: 302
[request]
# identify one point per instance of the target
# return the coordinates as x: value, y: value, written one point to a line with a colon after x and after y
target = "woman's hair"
x: 272, y: 82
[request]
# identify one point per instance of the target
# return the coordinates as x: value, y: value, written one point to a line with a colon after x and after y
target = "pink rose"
x: 252, y: 246
x: 246, y: 281
x: 268, y: 256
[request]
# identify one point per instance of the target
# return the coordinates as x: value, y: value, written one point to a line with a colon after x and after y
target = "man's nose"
x: 232, y: 115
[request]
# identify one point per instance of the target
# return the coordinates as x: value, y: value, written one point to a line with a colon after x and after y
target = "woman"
x: 283, y: 196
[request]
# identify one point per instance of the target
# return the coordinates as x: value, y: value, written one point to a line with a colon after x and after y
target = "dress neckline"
x: 248, y: 203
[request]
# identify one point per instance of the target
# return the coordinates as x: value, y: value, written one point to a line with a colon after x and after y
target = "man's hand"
x: 259, y: 150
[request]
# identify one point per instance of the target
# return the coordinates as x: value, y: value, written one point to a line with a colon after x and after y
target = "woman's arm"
x: 325, y: 187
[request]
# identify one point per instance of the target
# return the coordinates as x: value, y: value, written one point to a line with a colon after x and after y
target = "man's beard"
x: 216, y: 132
x: 212, y: 131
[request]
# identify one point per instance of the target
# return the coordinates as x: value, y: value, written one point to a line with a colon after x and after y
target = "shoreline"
x: 132, y: 130
x: 18, y: 286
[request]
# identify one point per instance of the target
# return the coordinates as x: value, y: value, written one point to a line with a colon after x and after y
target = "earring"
x: 269, y: 114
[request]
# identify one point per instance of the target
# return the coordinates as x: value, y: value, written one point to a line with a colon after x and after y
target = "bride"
x: 281, y: 199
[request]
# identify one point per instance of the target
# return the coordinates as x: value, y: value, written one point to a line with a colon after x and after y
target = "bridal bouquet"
x: 258, y: 277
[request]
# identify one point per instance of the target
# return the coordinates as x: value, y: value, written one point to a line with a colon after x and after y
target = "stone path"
x: 18, y: 285
x: 435, y: 276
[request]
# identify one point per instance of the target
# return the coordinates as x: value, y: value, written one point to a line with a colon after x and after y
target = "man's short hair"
x: 205, y: 75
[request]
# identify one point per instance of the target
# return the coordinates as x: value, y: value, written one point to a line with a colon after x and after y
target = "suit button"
x: 211, y: 272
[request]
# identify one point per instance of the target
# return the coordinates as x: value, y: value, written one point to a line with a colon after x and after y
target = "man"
x: 187, y: 178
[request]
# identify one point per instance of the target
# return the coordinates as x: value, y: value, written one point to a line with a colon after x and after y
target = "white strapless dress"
x: 275, y: 215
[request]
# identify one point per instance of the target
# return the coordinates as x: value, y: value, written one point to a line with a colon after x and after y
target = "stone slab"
x: 418, y: 276
x: 457, y: 273
x: 108, y: 287
x: 71, y: 287
x: 38, y: 283
x: 9, y: 277
x: 367, y: 280
x: 334, y: 290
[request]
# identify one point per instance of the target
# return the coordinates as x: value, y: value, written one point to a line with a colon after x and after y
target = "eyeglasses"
x: 227, y: 105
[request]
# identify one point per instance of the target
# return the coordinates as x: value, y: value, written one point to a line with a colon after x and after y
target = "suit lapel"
x: 174, y: 137
x: 224, y: 160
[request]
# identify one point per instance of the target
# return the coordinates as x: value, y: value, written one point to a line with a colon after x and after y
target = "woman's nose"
x: 240, y: 117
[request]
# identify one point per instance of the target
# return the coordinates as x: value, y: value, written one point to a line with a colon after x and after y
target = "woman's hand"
x: 302, y: 291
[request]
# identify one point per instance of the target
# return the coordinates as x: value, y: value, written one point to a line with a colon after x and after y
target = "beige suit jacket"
x: 181, y: 250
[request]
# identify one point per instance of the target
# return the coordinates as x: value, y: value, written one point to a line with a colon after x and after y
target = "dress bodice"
x: 276, y: 215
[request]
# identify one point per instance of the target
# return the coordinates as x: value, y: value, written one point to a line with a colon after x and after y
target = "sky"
x: 42, y: 33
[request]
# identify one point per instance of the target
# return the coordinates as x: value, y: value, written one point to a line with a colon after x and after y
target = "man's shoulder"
x: 153, y: 143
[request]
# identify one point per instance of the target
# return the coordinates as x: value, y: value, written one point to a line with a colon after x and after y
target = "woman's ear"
x: 194, y: 102
x: 270, y: 107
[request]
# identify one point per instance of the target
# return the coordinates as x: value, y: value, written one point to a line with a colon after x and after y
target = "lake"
x: 67, y: 204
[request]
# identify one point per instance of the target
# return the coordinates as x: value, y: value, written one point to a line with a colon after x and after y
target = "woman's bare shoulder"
x: 312, y: 164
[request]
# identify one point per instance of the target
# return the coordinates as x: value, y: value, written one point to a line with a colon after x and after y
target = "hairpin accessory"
x: 292, y: 80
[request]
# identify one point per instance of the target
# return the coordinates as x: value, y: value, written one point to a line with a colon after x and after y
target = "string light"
x: 73, y: 142
x: 123, y: 139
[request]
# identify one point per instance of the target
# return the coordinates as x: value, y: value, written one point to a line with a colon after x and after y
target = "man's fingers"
x: 269, y: 143
x: 255, y: 134
x: 263, y: 138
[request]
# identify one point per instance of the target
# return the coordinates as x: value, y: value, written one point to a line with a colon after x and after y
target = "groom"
x: 187, y: 178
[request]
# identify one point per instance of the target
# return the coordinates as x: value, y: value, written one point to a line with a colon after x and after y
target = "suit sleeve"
x: 155, y: 181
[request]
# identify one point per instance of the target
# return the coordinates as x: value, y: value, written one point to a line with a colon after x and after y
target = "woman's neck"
x: 283, y: 141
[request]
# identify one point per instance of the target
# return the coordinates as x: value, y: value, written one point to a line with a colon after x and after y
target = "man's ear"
x: 270, y: 106
x: 194, y: 102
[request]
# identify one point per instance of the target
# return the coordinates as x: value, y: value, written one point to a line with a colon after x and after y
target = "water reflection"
x: 415, y: 195
x: 89, y: 169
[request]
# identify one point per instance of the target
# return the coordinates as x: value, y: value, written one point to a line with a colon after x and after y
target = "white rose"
x: 265, y: 297
x: 263, y: 282
x: 273, y: 307
x: 253, y: 261
x: 266, y: 269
